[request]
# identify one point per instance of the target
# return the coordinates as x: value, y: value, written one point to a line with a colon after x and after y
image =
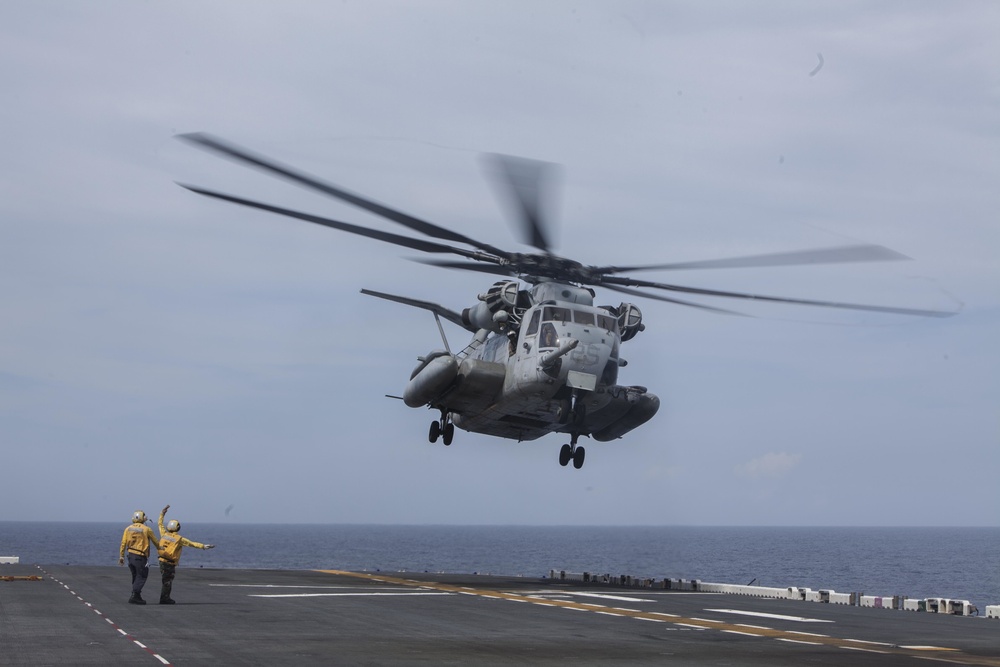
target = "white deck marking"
x: 334, y: 595
x: 611, y: 597
x: 798, y: 641
x: 780, y: 617
x: 864, y: 641
x: 110, y: 622
x: 858, y: 648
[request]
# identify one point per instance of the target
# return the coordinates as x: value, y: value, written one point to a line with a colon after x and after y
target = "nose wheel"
x: 572, y: 453
x: 442, y: 428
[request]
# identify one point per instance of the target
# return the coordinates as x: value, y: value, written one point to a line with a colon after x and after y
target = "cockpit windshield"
x: 555, y: 314
x: 585, y: 317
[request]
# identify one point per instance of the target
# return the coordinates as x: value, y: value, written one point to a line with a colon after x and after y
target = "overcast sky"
x: 159, y: 347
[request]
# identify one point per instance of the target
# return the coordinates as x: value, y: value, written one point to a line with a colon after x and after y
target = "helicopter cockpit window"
x: 583, y: 317
x: 609, y: 323
x: 549, y: 338
x: 553, y: 314
x: 533, y: 325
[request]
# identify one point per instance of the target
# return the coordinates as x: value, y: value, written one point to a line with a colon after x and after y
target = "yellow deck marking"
x: 951, y: 655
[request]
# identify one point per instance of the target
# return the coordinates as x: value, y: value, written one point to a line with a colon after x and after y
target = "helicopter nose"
x: 589, y: 357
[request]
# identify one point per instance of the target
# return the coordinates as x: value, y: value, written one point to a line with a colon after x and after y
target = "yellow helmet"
x: 139, y: 517
x: 173, y: 526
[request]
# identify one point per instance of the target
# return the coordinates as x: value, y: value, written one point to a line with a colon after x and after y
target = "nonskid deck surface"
x: 80, y: 615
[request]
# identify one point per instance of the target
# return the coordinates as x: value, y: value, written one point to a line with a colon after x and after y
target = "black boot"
x: 167, y: 601
x: 136, y: 599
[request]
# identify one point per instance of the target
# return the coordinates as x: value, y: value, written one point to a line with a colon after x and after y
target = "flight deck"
x: 58, y: 615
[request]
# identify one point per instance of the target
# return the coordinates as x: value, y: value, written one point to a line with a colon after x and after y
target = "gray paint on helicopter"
x: 234, y: 347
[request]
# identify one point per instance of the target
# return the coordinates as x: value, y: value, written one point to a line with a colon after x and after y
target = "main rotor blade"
x: 238, y: 154
x: 647, y: 295
x: 523, y: 190
x: 501, y: 270
x: 388, y: 237
x: 449, y: 315
x: 838, y: 255
x: 776, y: 299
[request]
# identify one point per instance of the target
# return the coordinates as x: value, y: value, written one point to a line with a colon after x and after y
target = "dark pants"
x: 167, y: 570
x: 139, y: 567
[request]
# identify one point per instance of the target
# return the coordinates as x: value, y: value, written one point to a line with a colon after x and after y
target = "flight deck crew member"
x: 136, y: 540
x: 171, y: 544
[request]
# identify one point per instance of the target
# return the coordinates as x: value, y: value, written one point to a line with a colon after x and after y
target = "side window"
x: 609, y: 323
x: 533, y: 325
x: 549, y: 337
x: 583, y: 317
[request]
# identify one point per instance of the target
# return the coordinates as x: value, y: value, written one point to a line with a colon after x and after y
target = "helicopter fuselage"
x: 556, y: 370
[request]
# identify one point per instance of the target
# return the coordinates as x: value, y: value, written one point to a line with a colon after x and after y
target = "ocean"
x: 956, y: 563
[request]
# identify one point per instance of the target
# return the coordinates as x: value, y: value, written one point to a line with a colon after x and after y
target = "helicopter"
x: 543, y: 358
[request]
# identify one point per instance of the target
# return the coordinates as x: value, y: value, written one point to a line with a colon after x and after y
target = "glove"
x: 164, y: 510
x: 121, y: 561
x: 209, y: 546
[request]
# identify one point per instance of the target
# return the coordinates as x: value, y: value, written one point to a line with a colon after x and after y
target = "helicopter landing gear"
x: 442, y: 428
x: 572, y: 453
x: 565, y: 454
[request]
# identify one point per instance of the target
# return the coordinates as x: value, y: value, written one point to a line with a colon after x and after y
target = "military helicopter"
x: 543, y: 357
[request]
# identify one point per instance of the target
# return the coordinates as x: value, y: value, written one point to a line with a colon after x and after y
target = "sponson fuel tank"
x: 629, y: 408
x: 435, y: 373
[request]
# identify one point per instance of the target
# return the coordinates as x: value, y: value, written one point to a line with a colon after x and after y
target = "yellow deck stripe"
x: 943, y: 654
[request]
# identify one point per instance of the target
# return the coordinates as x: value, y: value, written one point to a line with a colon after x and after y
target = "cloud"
x: 771, y: 465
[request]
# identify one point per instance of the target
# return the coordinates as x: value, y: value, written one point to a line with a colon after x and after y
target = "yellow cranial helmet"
x: 173, y: 526
x: 139, y: 517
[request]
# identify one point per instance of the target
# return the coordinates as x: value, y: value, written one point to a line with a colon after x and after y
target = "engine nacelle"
x: 629, y: 321
x: 493, y: 312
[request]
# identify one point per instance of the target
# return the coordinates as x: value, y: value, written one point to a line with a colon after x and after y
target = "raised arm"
x: 163, y: 513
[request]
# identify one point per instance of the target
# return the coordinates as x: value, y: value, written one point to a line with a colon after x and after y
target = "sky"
x: 159, y: 347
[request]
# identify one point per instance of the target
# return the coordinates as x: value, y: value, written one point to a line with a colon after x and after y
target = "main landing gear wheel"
x: 572, y: 453
x: 442, y: 428
x: 565, y: 454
